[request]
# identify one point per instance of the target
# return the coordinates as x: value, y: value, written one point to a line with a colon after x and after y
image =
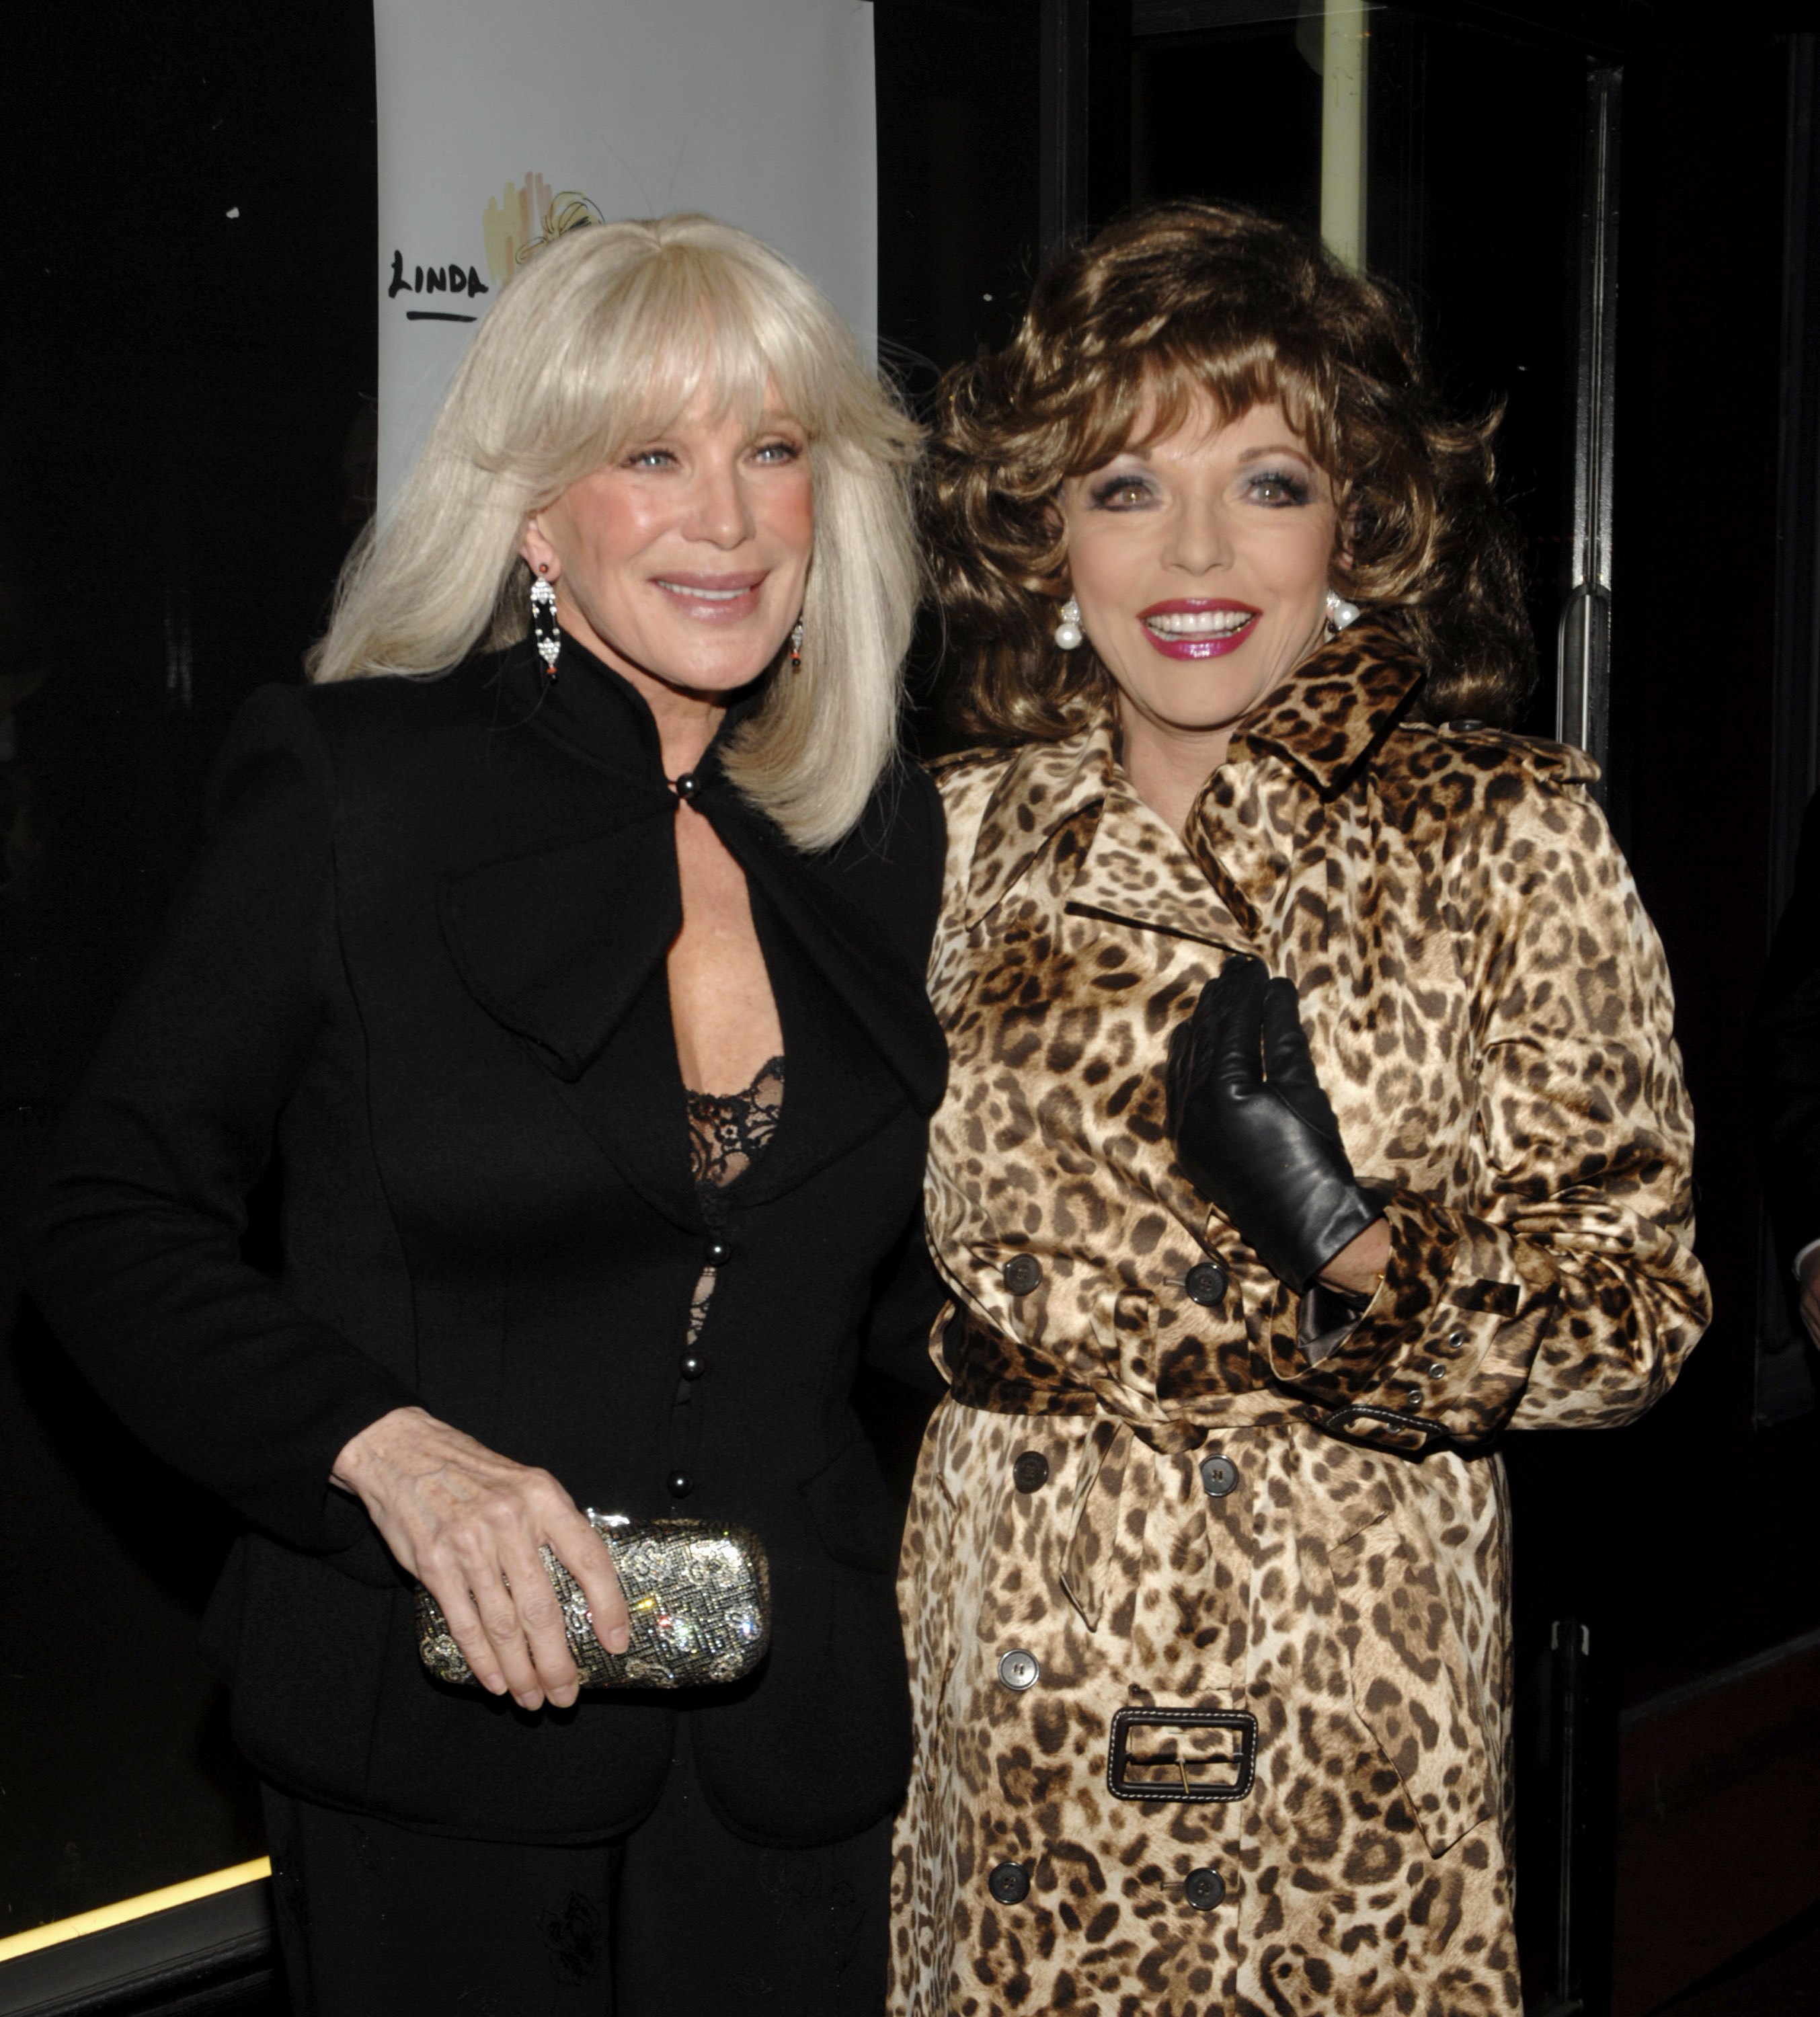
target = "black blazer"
x: 422, y: 958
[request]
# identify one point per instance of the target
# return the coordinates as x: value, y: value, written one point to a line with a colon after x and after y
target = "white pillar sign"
x: 503, y: 123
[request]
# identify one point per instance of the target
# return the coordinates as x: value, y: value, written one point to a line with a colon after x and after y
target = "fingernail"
x: 529, y: 1701
x: 495, y: 1687
x: 618, y: 1640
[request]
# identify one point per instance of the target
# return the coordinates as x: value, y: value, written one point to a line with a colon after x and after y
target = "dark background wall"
x: 185, y: 449
x: 183, y: 441
x: 1699, y: 464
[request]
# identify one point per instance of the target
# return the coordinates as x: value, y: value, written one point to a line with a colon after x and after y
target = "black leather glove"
x: 1254, y: 1129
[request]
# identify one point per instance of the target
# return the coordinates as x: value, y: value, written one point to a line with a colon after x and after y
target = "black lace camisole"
x: 728, y: 1132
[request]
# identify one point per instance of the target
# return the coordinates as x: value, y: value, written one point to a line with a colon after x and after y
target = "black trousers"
x: 680, y: 1918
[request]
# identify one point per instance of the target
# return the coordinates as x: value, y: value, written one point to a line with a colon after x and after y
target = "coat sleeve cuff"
x: 1415, y: 1366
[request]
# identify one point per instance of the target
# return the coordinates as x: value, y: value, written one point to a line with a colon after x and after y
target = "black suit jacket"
x: 422, y: 958
x: 1786, y: 1054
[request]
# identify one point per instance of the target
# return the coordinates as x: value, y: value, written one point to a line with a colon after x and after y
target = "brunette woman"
x: 1206, y: 1578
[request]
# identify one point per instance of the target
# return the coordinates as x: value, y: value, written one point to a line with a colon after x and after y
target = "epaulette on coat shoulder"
x: 969, y: 775
x: 965, y: 782
x: 1426, y: 747
x: 959, y: 762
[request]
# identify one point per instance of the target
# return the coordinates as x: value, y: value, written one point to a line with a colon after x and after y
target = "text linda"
x: 453, y: 278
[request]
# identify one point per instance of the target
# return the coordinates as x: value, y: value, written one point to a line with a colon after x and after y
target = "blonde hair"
x: 608, y: 334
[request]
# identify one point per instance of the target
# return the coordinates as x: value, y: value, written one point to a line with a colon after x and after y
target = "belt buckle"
x: 1119, y: 1761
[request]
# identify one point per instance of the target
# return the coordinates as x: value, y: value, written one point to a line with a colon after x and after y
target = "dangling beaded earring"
x: 797, y: 647
x: 543, y: 631
x: 1068, y: 632
x: 1340, y: 611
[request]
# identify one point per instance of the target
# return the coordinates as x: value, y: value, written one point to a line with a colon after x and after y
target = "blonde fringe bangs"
x: 606, y: 337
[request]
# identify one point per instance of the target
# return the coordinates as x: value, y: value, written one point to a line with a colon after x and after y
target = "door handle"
x: 1584, y: 654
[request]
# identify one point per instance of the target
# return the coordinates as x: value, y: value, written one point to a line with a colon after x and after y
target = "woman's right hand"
x: 467, y: 1524
x: 1254, y: 1129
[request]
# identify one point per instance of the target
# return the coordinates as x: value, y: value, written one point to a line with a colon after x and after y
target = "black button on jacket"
x: 422, y: 960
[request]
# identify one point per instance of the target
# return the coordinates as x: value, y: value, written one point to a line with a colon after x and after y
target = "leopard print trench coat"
x: 1209, y: 1638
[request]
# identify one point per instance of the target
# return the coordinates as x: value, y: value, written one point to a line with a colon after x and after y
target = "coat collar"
x: 1326, y: 720
x: 1329, y: 716
x: 1128, y: 864
x: 1044, y: 785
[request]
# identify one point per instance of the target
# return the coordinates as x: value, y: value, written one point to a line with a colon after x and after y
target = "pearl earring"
x: 1068, y: 632
x: 1340, y: 611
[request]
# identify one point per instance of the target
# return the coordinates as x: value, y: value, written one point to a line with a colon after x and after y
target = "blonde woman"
x: 564, y: 942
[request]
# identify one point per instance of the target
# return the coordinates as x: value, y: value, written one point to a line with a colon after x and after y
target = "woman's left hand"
x: 1255, y: 1132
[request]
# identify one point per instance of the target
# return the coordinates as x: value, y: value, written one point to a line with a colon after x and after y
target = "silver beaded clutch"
x: 699, y: 1600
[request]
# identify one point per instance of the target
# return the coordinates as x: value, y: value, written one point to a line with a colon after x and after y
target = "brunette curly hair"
x: 1187, y: 299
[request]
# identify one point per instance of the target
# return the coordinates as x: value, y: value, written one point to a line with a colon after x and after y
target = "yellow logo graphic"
x: 524, y: 219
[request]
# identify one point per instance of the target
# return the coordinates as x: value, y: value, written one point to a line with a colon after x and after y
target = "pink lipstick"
x: 1198, y: 626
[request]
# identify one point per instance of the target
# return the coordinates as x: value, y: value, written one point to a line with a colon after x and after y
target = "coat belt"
x: 992, y: 1372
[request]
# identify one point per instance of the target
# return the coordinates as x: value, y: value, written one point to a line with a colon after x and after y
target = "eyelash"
x: 648, y: 457
x: 1284, y: 479
x: 1104, y: 493
x: 1108, y: 488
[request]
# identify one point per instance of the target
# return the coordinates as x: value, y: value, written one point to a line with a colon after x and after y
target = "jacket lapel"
x: 630, y: 1103
x: 1112, y: 856
x: 839, y: 1090
x: 556, y: 946
x: 869, y: 961
x: 1138, y: 872
x: 861, y: 1041
x: 566, y: 947
x: 1044, y: 786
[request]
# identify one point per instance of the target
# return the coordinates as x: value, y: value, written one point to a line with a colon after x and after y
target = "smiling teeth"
x: 706, y: 594
x: 1199, y: 622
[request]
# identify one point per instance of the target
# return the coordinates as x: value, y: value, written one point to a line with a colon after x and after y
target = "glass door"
x: 1473, y: 165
